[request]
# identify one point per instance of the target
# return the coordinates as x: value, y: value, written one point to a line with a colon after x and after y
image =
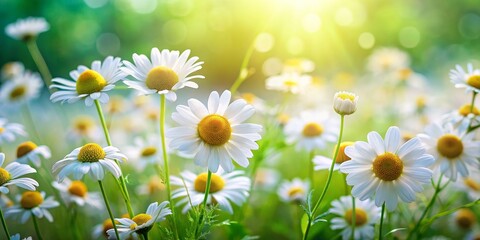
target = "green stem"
x: 380, y: 234
x: 40, y: 62
x: 472, y: 106
x: 448, y: 212
x: 73, y: 222
x: 4, y: 224
x: 311, y: 170
x: 329, y: 179
x: 354, y: 215
x: 37, y: 229
x: 204, y: 204
x: 108, y: 208
x: 145, y: 235
x: 243, y: 74
x: 123, y: 185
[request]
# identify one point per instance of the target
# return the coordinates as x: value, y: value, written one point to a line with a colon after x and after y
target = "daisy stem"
x: 37, y: 229
x: 311, y: 170
x: 380, y: 234
x: 354, y: 214
x: 108, y: 208
x: 123, y: 186
x: 243, y: 74
x: 311, y: 217
x: 472, y: 106
x: 4, y: 223
x: 204, y: 204
x: 40, y: 62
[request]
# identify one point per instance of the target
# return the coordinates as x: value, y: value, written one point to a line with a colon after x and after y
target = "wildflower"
x: 144, y: 152
x: 345, y: 103
x: 30, y: 152
x: 387, y: 60
x: 27, y: 29
x: 77, y: 192
x: 322, y: 162
x: 10, y: 176
x: 22, y: 88
x: 11, y: 70
x: 32, y: 203
x: 470, y: 79
x: 9, y: 130
x: 289, y: 82
x: 294, y: 191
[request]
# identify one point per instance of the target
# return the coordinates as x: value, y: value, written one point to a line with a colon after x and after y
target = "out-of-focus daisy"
x: 266, y: 178
x: 464, y: 219
x: 89, y: 83
x: 32, y: 202
x: 215, y: 133
x: 17, y: 237
x: 322, y: 162
x: 144, y: 152
x: 454, y: 150
x: 30, y: 152
x: 311, y: 131
x: 300, y: 65
x: 470, y: 79
x: 91, y: 159
x: 294, y: 191
x: 10, y: 176
x: 470, y: 184
x: 100, y: 230
x: 9, y: 130
x: 258, y: 103
x: 27, y: 29
x: 21, y: 88
x: 386, y: 60
x: 289, y: 82
x: 5, y: 202
x: 366, y: 216
x: 164, y: 73
x: 153, y: 186
x: 77, y: 192
x: 408, y: 78
x: 84, y: 128
x: 141, y: 223
x: 116, y: 105
x: 387, y: 168
x: 12, y: 69
x: 464, y: 115
x: 224, y: 188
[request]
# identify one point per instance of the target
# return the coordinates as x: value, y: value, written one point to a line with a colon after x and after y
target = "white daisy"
x: 387, y: 60
x: 300, y: 65
x: 22, y: 88
x: 12, y: 69
x: 470, y: 184
x: 141, y: 223
x: 345, y: 103
x: 5, y: 202
x: 215, y: 134
x: 454, y: 150
x: 77, y: 192
x: 144, y: 152
x: 89, y: 83
x: 258, y: 103
x: 266, y: 179
x: 83, y: 127
x: 289, y: 82
x: 27, y: 29
x: 470, y: 79
x: 387, y: 168
x: 30, y: 152
x: 311, y: 131
x: 164, y: 73
x: 92, y: 159
x: 464, y: 115
x: 366, y: 215
x: 322, y: 163
x: 464, y: 220
x: 100, y: 230
x: 153, y: 186
x: 32, y: 202
x: 17, y: 237
x: 11, y: 173
x: 295, y: 191
x: 9, y: 130
x: 224, y: 188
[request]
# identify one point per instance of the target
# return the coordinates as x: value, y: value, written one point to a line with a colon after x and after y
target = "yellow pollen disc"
x: 78, y: 188
x: 283, y: 118
x: 312, y: 130
x: 25, y: 148
x: 214, y: 130
x: 161, y: 78
x: 421, y: 102
x: 474, y: 81
x: 472, y: 184
x: 450, y: 146
x: 465, y: 110
x: 9, y: 204
x: 295, y: 191
x: 290, y: 83
x: 465, y: 218
x: 83, y: 124
x: 91, y: 152
x: 2, y: 129
x: 346, y: 96
x: 155, y: 185
x: 4, y: 176
x: 217, y: 183
x: 89, y: 82
x: 18, y: 92
x: 141, y: 218
x: 249, y: 97
x: 107, y: 225
x: 342, y: 157
x: 149, y: 151
x: 387, y: 166
x: 31, y: 199
x: 404, y: 73
x: 360, y: 217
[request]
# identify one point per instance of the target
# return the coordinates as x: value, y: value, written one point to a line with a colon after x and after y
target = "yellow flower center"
x: 216, y: 184
x: 360, y: 217
x: 450, y: 146
x: 290, y: 83
x: 312, y: 130
x: 474, y: 81
x: 249, y: 97
x: 4, y: 176
x: 465, y: 218
x: 83, y: 124
x: 148, y: 151
x: 91, y: 152
x: 78, y: 188
x: 31, y: 199
x: 140, y: 219
x: 404, y: 73
x: 2, y: 129
x: 214, y: 130
x: 25, y: 147
x: 342, y: 157
x: 107, y: 225
x: 161, y: 78
x: 472, y: 184
x: 465, y: 110
x: 90, y: 82
x: 295, y: 191
x: 346, y: 96
x: 18, y: 92
x: 155, y: 185
x: 421, y: 102
x: 283, y: 118
x: 387, y: 166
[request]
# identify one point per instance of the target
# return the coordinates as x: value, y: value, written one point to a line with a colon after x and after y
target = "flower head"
x: 470, y: 79
x: 32, y: 203
x: 30, y: 152
x: 11, y: 70
x: 322, y: 162
x: 76, y: 192
x: 289, y: 82
x: 295, y: 191
x: 387, y: 60
x: 27, y: 29
x: 345, y: 103
x: 9, y: 130
x: 10, y: 175
x: 22, y: 88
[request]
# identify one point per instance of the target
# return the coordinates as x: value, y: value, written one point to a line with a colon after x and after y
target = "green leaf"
x: 394, y: 231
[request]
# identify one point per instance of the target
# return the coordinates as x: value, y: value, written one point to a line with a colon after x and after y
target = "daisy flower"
x: 27, y: 29
x: 30, y: 152
x: 9, y: 130
x: 22, y: 88
x: 300, y: 65
x: 215, y: 133
x: 387, y: 168
x: 294, y: 191
x: 12, y: 69
x: 366, y: 215
x: 224, y: 188
x: 289, y: 82
x: 32, y: 202
x: 258, y: 103
x: 154, y: 185
x: 464, y: 115
x: 386, y: 60
x: 92, y: 159
x: 470, y: 79
x: 470, y: 184
x: 84, y: 128
x: 322, y: 163
x: 164, y: 73
x: 5, y: 202
x: 77, y: 192
x: 464, y: 219
x: 141, y: 223
x: 89, y: 83
x: 144, y: 152
x: 17, y: 237
x: 311, y: 131
x: 11, y: 173
x: 345, y: 103
x: 100, y: 230
x: 455, y: 151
